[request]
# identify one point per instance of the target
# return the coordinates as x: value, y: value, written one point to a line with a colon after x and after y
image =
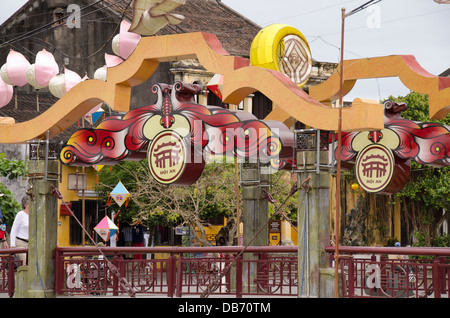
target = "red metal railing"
x: 8, y: 264
x: 268, y: 270
x: 409, y: 272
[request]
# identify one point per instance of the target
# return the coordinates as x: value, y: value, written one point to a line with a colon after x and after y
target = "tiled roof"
x: 27, y: 108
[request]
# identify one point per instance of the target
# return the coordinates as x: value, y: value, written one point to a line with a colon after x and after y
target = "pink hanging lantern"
x: 125, y: 42
x: 42, y: 71
x: 62, y: 83
x: 6, y: 93
x: 112, y: 60
x: 14, y: 71
x: 45, y: 68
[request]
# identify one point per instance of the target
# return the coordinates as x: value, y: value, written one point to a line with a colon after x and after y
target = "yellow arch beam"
x: 116, y: 91
x: 293, y: 102
x: 405, y: 67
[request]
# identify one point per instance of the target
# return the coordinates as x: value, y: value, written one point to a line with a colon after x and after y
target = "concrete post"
x: 314, y: 229
x: 43, y: 220
x: 255, y: 206
x: 255, y: 216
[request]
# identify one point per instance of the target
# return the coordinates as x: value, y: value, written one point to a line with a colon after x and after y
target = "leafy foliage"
x: 12, y: 169
x: 418, y: 108
x: 428, y: 189
x: 214, y: 194
x: 9, y: 205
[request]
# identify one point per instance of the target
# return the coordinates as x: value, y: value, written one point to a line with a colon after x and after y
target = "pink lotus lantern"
x: 125, y: 42
x: 14, y: 71
x: 43, y: 70
x: 62, y: 83
x: 111, y: 61
x: 6, y: 93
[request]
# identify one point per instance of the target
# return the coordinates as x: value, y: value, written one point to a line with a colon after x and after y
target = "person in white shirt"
x: 19, y: 230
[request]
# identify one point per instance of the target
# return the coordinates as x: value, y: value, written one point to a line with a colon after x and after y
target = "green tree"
x: 11, y: 169
x: 213, y: 194
x: 426, y: 195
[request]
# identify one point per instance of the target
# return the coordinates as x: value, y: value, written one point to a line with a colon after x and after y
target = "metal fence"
x: 371, y: 272
x: 394, y: 272
x: 8, y: 265
x: 269, y: 270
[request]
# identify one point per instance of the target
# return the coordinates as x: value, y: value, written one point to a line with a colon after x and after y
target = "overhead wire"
x: 44, y: 27
x: 308, y: 12
x: 51, y: 25
x: 362, y: 7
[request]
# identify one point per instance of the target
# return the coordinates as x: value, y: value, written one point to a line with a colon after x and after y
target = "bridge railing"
x: 8, y: 265
x: 394, y: 272
x: 268, y: 270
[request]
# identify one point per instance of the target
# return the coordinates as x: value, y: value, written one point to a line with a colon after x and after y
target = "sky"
x: 389, y: 27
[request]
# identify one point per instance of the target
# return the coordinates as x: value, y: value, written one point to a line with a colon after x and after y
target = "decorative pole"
x: 338, y: 156
x: 338, y: 172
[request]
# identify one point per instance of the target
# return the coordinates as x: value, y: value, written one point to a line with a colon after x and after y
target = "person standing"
x: 19, y: 230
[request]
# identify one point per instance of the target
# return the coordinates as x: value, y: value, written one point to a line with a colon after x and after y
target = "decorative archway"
x: 240, y: 79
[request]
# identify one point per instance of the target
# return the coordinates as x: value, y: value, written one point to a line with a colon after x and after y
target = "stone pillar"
x: 314, y: 229
x: 255, y: 206
x: 43, y: 220
x: 255, y: 216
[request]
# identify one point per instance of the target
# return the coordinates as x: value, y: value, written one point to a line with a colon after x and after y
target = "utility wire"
x: 51, y: 25
x: 44, y: 27
x: 362, y: 7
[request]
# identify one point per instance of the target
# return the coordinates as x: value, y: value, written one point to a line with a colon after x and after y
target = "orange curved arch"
x: 293, y: 102
x: 405, y: 67
x: 116, y: 91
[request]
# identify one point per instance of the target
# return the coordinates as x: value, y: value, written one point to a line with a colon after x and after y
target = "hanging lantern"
x: 62, y: 83
x: 57, y: 85
x: 112, y: 60
x: 120, y: 194
x: 43, y: 70
x: 6, y: 93
x: 101, y: 73
x: 14, y: 71
x: 124, y: 43
x: 31, y: 77
x: 93, y: 115
x: 106, y: 228
x: 98, y: 167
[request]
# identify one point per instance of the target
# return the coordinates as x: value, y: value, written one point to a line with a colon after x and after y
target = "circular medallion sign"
x: 167, y: 157
x: 374, y: 168
x: 282, y: 48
